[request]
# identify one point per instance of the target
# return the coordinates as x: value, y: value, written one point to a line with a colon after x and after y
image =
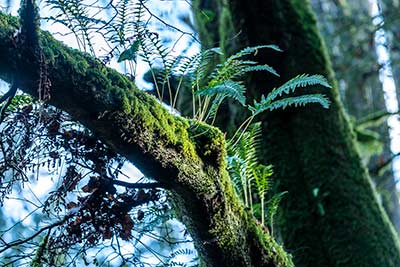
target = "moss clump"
x: 273, y: 250
x: 209, y: 142
x: 158, y: 121
x: 8, y: 24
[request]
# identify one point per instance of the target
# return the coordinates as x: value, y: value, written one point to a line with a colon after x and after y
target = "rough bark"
x: 348, y: 29
x: 187, y: 157
x: 331, y: 216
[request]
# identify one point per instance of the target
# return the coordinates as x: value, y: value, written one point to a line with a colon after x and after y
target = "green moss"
x: 209, y: 141
x: 274, y: 251
x: 8, y: 24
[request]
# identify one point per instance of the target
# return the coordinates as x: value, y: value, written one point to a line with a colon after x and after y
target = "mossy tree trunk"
x: 349, y: 32
x: 330, y: 216
x: 187, y: 157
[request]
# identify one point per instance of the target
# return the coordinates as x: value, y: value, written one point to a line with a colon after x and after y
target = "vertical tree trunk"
x: 330, y: 216
x: 349, y: 32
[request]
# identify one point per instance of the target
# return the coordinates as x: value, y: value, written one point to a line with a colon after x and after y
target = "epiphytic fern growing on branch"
x: 252, y: 180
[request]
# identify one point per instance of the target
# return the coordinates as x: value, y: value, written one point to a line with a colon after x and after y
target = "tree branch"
x: 136, y: 185
x: 378, y: 167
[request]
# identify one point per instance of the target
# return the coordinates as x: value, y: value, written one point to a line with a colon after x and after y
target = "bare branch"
x: 22, y: 241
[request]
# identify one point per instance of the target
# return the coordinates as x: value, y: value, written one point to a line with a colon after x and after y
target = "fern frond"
x: 264, y: 67
x: 296, y: 82
x: 262, y: 179
x: 236, y: 173
x: 243, y: 161
x: 230, y: 89
x: 182, y: 252
x: 121, y: 28
x: 202, y: 69
x: 253, y: 49
x: 75, y: 15
x: 191, y: 64
x: 296, y: 101
x: 273, y: 205
x: 235, y: 67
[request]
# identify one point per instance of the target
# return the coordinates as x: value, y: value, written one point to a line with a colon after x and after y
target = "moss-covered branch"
x: 183, y: 155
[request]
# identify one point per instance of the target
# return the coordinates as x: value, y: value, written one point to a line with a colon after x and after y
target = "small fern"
x: 252, y: 180
x: 262, y: 176
x: 242, y: 161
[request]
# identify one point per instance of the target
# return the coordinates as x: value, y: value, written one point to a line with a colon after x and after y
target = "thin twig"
x: 19, y: 242
x: 136, y: 185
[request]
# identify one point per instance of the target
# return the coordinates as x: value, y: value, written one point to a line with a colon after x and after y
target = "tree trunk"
x: 185, y: 156
x: 349, y: 32
x: 330, y: 216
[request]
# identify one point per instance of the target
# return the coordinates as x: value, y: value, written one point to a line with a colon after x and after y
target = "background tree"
x: 349, y: 31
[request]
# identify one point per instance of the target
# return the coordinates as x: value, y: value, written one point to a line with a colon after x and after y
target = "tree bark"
x: 186, y: 156
x: 349, y: 33
x: 330, y: 216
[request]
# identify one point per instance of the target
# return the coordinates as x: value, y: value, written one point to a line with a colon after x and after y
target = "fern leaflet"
x: 296, y: 82
x: 231, y: 89
x: 296, y: 101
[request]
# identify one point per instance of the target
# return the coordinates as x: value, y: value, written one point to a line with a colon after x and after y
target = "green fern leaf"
x: 264, y: 67
x: 254, y: 49
x: 298, y: 81
x: 230, y: 89
x: 130, y: 53
x: 296, y: 101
